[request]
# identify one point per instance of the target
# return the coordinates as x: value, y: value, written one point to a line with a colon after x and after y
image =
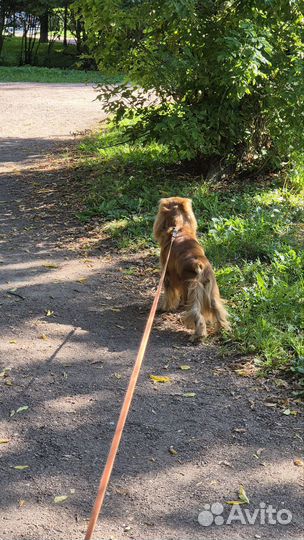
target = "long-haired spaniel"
x: 189, y: 278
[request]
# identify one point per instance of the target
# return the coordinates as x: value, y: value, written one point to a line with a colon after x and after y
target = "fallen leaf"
x: 82, y: 280
x: 5, y: 373
x: 21, y: 503
x: 242, y: 495
x: 258, y: 453
x: 243, y: 499
x: 235, y: 502
x: 12, y: 413
x: 60, y: 498
x: 49, y: 313
x: 184, y: 367
x: 22, y: 409
x: 189, y: 394
x: 287, y: 412
x: 172, y: 451
x: 8, y: 382
x: 114, y: 309
x: 4, y: 441
x: 12, y: 341
x: 21, y: 467
x: 226, y: 463
x: 50, y: 265
x: 298, y: 462
x: 117, y: 375
x: 43, y: 336
x: 160, y: 379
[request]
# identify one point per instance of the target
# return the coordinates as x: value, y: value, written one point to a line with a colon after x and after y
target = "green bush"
x: 228, y: 75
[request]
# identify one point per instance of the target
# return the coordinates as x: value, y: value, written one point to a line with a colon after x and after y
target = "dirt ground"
x: 70, y: 324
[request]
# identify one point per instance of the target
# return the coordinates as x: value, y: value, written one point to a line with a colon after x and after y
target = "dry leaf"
x: 60, y: 498
x: 8, y: 382
x: 226, y: 463
x: 43, y: 336
x: 242, y: 495
x: 189, y: 394
x: 4, y: 441
x: 172, y: 451
x: 243, y: 499
x: 50, y: 265
x: 21, y: 503
x: 258, y: 452
x: 235, y: 502
x: 49, y: 313
x: 82, y: 280
x: 5, y: 373
x: 22, y: 409
x: 184, y: 367
x: 298, y: 462
x: 160, y: 379
x: 114, y: 309
x: 12, y: 341
x: 117, y: 375
x: 21, y: 467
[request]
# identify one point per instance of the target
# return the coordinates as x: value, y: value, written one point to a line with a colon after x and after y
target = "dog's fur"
x: 189, y: 277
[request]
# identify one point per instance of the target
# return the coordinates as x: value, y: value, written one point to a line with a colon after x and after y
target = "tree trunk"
x: 44, y: 27
x: 78, y: 36
x: 2, y: 22
x: 65, y: 25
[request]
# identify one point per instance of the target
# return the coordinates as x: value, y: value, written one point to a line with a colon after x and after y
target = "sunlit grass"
x: 252, y: 233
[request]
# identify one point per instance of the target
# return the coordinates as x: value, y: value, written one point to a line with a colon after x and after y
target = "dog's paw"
x: 195, y: 339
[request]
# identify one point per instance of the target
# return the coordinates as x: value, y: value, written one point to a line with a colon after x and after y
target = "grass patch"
x: 51, y: 75
x: 54, y: 55
x: 59, y: 61
x: 252, y: 234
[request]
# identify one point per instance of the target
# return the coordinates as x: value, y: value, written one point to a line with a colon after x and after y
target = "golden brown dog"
x: 189, y: 277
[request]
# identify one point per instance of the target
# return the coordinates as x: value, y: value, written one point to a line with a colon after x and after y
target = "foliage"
x: 251, y: 233
x: 228, y: 74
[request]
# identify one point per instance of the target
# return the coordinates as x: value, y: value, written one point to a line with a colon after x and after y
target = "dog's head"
x: 173, y: 212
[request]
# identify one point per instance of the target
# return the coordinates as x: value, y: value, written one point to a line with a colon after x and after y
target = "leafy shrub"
x: 227, y: 75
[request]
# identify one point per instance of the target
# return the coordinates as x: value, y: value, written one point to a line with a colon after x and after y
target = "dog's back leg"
x: 193, y: 318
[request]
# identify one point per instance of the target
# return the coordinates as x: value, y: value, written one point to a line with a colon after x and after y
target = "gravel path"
x: 70, y: 323
x: 35, y: 116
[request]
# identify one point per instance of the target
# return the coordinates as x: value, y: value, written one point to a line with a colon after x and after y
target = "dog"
x: 189, y: 277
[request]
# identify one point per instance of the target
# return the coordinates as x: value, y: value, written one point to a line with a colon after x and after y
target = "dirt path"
x: 35, y: 116
x: 69, y: 341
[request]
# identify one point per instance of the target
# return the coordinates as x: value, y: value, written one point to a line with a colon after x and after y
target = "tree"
x: 228, y: 74
x: 7, y: 8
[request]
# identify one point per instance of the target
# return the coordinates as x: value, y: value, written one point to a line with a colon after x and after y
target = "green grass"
x: 50, y: 75
x: 57, y: 56
x: 252, y: 233
x: 59, y: 64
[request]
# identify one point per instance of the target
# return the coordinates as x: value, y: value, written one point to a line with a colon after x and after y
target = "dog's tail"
x: 204, y: 299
